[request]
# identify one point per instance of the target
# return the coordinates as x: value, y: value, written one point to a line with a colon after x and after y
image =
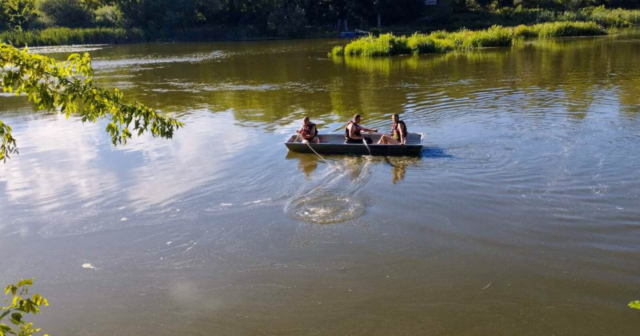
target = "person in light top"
x: 399, y: 133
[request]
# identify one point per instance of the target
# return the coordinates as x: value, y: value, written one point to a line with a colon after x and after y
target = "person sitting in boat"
x: 308, y: 132
x: 353, y: 131
x: 398, y: 133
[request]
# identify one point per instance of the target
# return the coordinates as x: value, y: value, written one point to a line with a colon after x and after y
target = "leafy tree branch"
x: 68, y: 87
x: 20, y: 306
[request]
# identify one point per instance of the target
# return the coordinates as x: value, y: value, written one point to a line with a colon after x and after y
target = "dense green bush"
x: 17, y: 14
x: 157, y: 15
x: 426, y: 44
x: 287, y: 22
x: 383, y: 45
x: 108, y: 16
x: 606, y: 17
x: 562, y: 29
x: 67, y: 13
x: 612, y: 17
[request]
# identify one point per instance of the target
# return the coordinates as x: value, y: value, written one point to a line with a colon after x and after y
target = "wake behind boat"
x: 335, y: 144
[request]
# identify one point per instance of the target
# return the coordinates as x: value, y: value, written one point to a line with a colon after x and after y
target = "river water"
x: 521, y: 216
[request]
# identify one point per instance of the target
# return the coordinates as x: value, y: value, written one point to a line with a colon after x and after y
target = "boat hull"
x: 332, y: 144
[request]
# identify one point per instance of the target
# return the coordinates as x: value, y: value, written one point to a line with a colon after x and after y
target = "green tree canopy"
x: 17, y: 14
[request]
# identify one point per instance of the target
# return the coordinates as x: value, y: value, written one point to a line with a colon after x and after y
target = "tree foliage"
x: 19, y: 306
x: 17, y: 14
x: 274, y: 17
x: 68, y: 87
x: 69, y: 13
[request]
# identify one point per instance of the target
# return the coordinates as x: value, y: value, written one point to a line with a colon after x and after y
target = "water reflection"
x: 303, y: 84
x: 399, y: 169
x: 306, y: 163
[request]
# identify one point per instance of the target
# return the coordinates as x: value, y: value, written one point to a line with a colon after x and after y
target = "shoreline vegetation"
x: 462, y: 40
x: 46, y: 27
x: 509, y: 16
x: 74, y: 36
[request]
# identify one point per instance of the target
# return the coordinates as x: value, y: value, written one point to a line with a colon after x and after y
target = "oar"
x: 364, y: 141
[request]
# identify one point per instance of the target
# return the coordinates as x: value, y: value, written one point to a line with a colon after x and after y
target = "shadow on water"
x: 435, y: 153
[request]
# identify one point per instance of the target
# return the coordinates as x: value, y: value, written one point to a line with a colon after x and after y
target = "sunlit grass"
x: 59, y: 36
x: 561, y: 29
x: 463, y: 40
x: 612, y: 17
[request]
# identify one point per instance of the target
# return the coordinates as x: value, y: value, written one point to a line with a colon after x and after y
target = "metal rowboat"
x: 335, y: 144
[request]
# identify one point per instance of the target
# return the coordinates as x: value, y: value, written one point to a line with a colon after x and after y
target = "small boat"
x: 335, y: 144
x: 353, y: 34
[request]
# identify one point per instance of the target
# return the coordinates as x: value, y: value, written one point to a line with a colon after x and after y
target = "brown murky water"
x: 520, y: 218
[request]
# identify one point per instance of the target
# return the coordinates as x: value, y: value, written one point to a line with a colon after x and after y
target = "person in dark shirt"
x: 308, y: 132
x: 353, y: 131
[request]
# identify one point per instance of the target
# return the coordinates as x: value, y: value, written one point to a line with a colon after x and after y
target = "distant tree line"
x: 277, y: 17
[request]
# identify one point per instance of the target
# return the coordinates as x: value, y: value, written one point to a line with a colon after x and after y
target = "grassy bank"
x: 509, y: 16
x: 475, y: 20
x: 65, y: 36
x: 617, y: 18
x: 462, y: 40
x: 61, y: 36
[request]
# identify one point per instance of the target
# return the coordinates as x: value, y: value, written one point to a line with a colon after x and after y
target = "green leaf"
x: 25, y: 282
x: 5, y: 330
x: 634, y: 304
x: 16, y: 317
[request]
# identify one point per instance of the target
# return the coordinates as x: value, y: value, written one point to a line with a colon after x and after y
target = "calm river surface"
x: 521, y: 217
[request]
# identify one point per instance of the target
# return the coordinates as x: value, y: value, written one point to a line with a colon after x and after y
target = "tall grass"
x: 463, y: 40
x: 560, y: 29
x: 510, y: 16
x: 59, y: 36
x: 612, y: 17
x: 383, y: 45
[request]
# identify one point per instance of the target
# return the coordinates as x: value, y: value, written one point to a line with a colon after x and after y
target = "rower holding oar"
x: 353, y: 131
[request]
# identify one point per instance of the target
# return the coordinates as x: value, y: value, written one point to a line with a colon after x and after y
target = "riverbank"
x: 462, y: 40
x: 63, y: 36
x: 474, y: 20
x: 66, y: 36
x: 509, y: 16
